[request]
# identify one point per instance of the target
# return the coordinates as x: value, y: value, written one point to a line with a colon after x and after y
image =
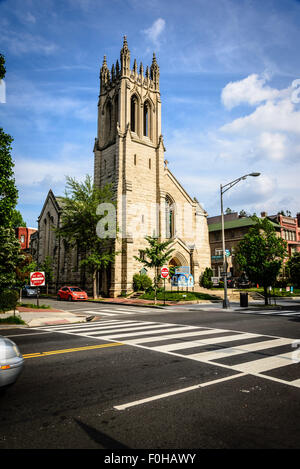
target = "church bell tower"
x: 129, y: 154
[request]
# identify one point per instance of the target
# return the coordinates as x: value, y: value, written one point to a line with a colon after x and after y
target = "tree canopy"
x: 260, y: 254
x: 294, y: 269
x: 156, y: 255
x: 79, y: 220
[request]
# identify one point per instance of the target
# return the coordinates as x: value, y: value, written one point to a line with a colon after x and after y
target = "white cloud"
x: 273, y: 128
x: 273, y: 144
x: 251, y: 90
x: 24, y: 42
x: 153, y: 33
x: 68, y: 162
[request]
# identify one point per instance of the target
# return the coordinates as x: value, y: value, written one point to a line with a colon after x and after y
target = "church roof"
x: 238, y: 223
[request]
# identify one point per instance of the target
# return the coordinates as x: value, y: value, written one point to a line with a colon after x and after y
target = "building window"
x: 146, y: 120
x: 22, y: 239
x: 170, y: 218
x: 108, y: 120
x: 133, y: 114
x: 149, y: 163
x: 134, y: 160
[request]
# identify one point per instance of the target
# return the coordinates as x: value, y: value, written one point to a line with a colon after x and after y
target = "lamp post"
x: 224, y: 189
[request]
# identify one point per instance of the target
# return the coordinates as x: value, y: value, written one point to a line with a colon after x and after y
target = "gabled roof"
x: 238, y: 223
x: 183, y: 191
x: 54, y: 200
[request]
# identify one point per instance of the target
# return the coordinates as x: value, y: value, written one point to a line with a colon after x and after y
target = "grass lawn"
x: 180, y: 296
x: 33, y: 306
x: 11, y: 320
x: 276, y: 292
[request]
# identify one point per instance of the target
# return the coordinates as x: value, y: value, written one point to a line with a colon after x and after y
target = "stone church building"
x: 129, y: 153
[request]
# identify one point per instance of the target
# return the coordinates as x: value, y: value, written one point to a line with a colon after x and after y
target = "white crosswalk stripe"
x: 246, y: 352
x: 115, y: 311
x: 271, y: 313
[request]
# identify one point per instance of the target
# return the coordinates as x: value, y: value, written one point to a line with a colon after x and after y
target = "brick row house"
x: 235, y: 228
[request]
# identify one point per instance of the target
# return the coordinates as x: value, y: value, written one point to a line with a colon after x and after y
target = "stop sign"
x: 37, y: 279
x: 164, y: 272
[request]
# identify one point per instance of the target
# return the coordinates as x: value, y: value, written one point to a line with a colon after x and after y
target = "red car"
x: 71, y: 293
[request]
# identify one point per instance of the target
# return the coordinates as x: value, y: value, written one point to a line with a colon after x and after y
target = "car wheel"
x: 58, y: 298
x: 70, y: 298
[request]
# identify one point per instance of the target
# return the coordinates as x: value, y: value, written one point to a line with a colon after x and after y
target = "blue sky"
x: 229, y: 81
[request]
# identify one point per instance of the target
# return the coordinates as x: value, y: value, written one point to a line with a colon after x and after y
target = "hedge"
x: 8, y: 300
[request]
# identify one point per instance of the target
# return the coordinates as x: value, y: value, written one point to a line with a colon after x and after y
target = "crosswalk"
x: 271, y: 357
x: 260, y: 312
x: 114, y: 311
x: 272, y: 313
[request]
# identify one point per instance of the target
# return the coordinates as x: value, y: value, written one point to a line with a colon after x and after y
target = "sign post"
x: 37, y: 279
x: 164, y: 273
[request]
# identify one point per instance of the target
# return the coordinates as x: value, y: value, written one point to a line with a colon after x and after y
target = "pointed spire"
x: 125, y: 58
x: 125, y: 45
x: 104, y: 74
x: 147, y: 74
x: 154, y: 72
x: 117, y: 69
x: 141, y: 69
x: 113, y: 76
x: 135, y: 67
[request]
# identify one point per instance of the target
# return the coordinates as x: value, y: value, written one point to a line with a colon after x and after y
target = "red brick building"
x: 290, y: 230
x: 24, y: 234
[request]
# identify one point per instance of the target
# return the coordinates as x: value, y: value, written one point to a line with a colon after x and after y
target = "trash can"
x: 244, y: 299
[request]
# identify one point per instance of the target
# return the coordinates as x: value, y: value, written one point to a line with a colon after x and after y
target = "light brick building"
x: 129, y: 153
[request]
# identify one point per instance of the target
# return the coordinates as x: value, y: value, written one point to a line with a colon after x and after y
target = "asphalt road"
x: 100, y: 389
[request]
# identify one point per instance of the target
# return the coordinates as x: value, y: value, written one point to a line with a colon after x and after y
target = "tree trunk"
x: 266, y: 295
x: 95, y: 295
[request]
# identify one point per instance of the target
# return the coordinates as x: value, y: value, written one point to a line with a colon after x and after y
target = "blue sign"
x: 182, y: 269
x: 182, y: 280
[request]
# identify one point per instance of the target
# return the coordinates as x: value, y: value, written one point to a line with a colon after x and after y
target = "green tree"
x: 294, y: 269
x: 155, y: 256
x: 10, y: 251
x: 79, y: 222
x: 8, y: 190
x: 206, y: 281
x: 17, y: 219
x: 47, y: 267
x: 10, y: 257
x: 260, y: 254
x: 141, y: 282
x: 2, y: 67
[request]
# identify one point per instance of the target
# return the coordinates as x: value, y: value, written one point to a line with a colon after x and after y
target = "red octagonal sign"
x: 37, y: 279
x: 164, y: 272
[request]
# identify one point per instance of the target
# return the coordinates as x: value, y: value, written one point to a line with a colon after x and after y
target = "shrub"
x: 8, y: 300
x: 141, y: 282
x: 206, y: 278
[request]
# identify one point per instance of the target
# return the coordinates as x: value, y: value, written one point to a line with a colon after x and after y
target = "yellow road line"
x: 78, y: 349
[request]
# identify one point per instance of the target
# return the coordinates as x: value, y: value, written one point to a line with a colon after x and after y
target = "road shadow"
x: 101, y: 438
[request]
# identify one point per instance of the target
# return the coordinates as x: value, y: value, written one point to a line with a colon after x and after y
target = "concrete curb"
x: 44, y: 318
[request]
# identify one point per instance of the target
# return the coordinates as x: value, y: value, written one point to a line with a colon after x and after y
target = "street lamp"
x: 223, y: 189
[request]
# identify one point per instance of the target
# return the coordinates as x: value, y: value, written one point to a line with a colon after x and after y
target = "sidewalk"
x: 42, y: 317
x: 47, y: 317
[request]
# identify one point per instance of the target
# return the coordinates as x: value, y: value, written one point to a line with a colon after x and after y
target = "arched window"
x: 133, y: 113
x: 170, y: 218
x: 146, y: 119
x: 116, y: 105
x: 108, y: 120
